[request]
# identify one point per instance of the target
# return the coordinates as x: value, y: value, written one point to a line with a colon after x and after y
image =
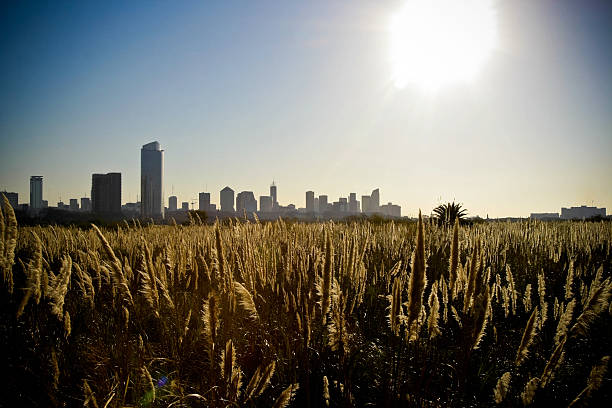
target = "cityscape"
x: 105, y: 200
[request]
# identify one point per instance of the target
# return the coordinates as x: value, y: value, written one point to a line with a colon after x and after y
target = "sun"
x: 435, y: 43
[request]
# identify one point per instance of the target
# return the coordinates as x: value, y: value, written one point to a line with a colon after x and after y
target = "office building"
x: 582, y: 212
x: 85, y: 204
x: 353, y: 203
x: 310, y: 201
x: 36, y: 193
x: 273, y: 195
x: 151, y: 180
x: 316, y: 204
x: 106, y: 193
x: 245, y: 201
x: 13, y: 199
x: 172, y: 203
x: 322, y: 203
x: 375, y: 201
x: 265, y: 203
x: 365, y: 204
x: 204, y: 201
x: 391, y: 210
x: 185, y: 206
x: 226, y: 200
x: 74, y: 204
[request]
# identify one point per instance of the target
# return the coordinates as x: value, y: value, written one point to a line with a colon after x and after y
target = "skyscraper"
x: 36, y: 192
x: 322, y: 203
x: 204, y: 202
x: 85, y: 204
x: 265, y: 203
x: 13, y: 199
x: 226, y: 199
x: 74, y: 204
x: 310, y: 201
x: 185, y: 206
x: 106, y: 193
x: 365, y: 204
x: 172, y: 203
x: 151, y: 180
x: 353, y: 203
x: 375, y: 201
x: 245, y: 201
x: 273, y: 195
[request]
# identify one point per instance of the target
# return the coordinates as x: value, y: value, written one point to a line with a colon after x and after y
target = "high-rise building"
x: 365, y: 204
x: 316, y: 204
x: 185, y: 206
x: 172, y: 203
x: 74, y: 204
x: 310, y: 201
x: 265, y: 203
x: 245, y: 201
x: 13, y: 199
x: 322, y: 203
x: 151, y: 180
x: 36, y: 193
x: 391, y: 210
x: 106, y: 193
x: 85, y: 204
x: 226, y: 199
x: 204, y: 202
x: 353, y: 203
x: 375, y: 201
x: 273, y: 195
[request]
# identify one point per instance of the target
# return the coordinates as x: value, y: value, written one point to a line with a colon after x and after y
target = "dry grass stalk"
x: 530, y: 390
x: 593, y: 307
x: 246, y: 301
x: 527, y: 339
x: 286, y: 396
x: 90, y: 398
x: 564, y: 321
x: 9, y: 242
x: 418, y: 279
x: 58, y: 293
x: 395, y: 306
x: 596, y: 377
x: 454, y: 259
x: 501, y: 389
x: 326, y: 390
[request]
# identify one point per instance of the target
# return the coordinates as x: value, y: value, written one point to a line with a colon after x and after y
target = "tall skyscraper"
x: 185, y: 206
x: 353, y: 203
x: 322, y: 203
x: 172, y: 203
x: 85, y: 204
x: 310, y: 201
x: 74, y: 204
x: 375, y: 201
x: 365, y: 204
x: 151, y: 180
x: 36, y: 192
x: 273, y: 195
x: 265, y: 203
x: 204, y: 202
x: 226, y: 199
x: 106, y: 193
x: 245, y: 201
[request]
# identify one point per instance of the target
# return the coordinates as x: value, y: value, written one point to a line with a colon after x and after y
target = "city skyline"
x: 304, y: 94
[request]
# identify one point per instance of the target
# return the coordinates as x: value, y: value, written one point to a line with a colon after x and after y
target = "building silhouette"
x: 106, y: 193
x: 273, y: 195
x: 582, y: 212
x: 245, y: 201
x: 323, y: 207
x: 353, y: 203
x: 365, y: 204
x: 310, y: 202
x: 36, y: 193
x: 85, y: 204
x: 151, y: 180
x: 391, y: 210
x: 13, y: 199
x: 74, y: 204
x: 172, y: 203
x: 185, y: 206
x: 375, y: 201
x: 265, y: 203
x: 204, y: 201
x: 226, y: 199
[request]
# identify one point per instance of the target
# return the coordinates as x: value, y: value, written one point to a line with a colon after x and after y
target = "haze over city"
x: 309, y: 95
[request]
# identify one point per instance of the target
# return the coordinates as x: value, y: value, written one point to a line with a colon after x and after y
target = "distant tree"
x: 445, y: 214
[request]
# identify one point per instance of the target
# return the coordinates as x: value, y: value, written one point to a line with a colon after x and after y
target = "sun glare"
x: 439, y: 42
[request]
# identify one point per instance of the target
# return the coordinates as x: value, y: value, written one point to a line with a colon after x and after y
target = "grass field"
x: 306, y: 315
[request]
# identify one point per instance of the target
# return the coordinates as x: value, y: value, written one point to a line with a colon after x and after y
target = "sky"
x: 243, y: 93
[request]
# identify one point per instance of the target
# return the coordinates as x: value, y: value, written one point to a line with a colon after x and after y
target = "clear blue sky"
x: 240, y: 93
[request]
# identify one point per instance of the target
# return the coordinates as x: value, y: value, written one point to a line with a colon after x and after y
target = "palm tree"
x: 445, y: 214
